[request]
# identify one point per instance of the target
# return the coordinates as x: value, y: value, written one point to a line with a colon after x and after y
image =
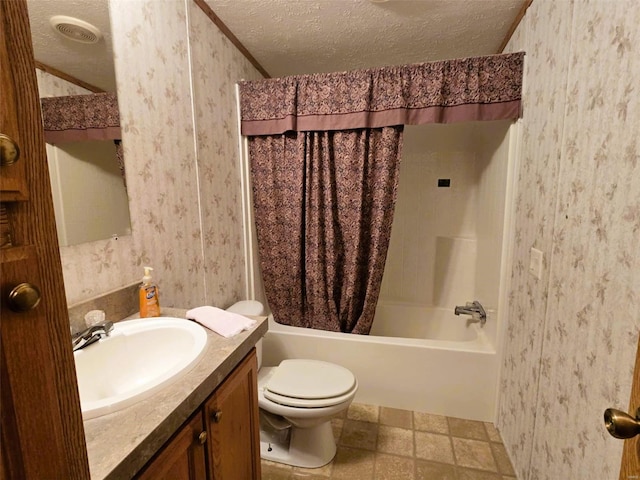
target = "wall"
x: 431, y: 222
x: 571, y: 335
x: 217, y: 66
x: 181, y: 161
x: 446, y: 243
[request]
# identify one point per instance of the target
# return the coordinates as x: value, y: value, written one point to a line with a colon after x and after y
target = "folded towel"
x: 220, y: 321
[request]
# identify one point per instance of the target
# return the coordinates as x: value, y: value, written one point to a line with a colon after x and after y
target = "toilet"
x: 297, y: 401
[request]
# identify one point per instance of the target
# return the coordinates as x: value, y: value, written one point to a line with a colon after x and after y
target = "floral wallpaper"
x: 572, y: 334
x: 177, y: 105
x: 52, y: 86
x: 217, y: 66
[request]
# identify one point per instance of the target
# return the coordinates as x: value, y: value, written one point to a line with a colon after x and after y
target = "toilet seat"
x: 309, y: 384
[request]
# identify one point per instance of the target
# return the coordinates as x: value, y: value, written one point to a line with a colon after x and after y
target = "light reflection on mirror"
x: 90, y: 198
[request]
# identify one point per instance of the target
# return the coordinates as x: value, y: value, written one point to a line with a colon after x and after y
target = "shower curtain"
x: 325, y: 152
x: 324, y: 207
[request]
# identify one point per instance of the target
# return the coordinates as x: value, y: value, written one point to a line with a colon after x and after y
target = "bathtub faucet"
x: 474, y: 309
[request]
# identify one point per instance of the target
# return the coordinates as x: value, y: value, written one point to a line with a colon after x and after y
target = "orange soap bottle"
x: 149, y: 296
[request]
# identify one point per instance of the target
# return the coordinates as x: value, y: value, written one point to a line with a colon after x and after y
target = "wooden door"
x: 183, y: 457
x: 42, y: 433
x: 231, y: 416
x: 630, y: 465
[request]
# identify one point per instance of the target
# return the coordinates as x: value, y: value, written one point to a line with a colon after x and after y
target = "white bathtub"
x: 416, y: 358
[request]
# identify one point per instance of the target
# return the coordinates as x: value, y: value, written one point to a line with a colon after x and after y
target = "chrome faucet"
x: 91, y: 335
x: 474, y: 309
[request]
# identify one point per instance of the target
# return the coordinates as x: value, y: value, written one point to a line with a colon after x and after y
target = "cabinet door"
x: 231, y: 415
x: 183, y: 457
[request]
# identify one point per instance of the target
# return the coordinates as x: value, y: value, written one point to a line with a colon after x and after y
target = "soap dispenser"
x: 149, y: 296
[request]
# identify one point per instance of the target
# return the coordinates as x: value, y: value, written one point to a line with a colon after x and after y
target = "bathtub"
x: 416, y: 358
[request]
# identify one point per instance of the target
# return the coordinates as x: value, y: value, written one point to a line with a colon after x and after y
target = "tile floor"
x: 379, y: 443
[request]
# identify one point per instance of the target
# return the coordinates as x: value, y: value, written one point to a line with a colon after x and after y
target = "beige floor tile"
x: 269, y: 463
x: 336, y: 426
x: 395, y: 417
x: 272, y: 472
x: 468, y: 474
x: 359, y: 434
x: 398, y: 441
x: 459, y: 427
x: 322, y: 472
x: 342, y: 414
x: 502, y: 459
x: 435, y: 447
x: 390, y: 467
x: 474, y: 454
x: 352, y: 464
x: 492, y: 431
x: 430, y: 423
x: 307, y: 476
x: 434, y: 471
x: 363, y: 412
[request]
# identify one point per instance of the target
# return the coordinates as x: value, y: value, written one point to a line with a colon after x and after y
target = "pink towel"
x: 220, y: 321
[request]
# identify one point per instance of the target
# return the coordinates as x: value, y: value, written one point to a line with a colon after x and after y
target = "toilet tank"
x: 247, y: 307
x: 250, y: 307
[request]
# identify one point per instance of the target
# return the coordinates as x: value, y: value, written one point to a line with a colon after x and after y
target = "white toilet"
x: 297, y: 400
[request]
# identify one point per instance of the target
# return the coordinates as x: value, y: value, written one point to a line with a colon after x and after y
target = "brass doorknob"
x: 9, y: 150
x: 24, y: 297
x: 202, y: 438
x: 620, y: 424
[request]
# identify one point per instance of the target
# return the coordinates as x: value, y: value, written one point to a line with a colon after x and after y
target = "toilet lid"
x: 310, y: 380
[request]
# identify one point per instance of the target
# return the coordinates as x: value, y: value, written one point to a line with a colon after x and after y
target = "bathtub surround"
x: 572, y: 334
x: 446, y: 243
x: 175, y: 73
x: 334, y: 281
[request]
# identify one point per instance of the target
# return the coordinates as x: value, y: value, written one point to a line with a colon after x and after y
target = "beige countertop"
x: 120, y: 444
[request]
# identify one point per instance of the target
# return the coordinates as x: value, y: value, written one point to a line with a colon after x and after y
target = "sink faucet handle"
x: 94, y: 317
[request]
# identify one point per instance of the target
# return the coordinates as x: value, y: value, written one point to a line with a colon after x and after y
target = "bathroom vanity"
x: 223, y: 434
x: 202, y: 426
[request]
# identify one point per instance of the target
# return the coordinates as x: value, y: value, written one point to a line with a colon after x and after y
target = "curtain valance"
x: 81, y: 117
x: 478, y: 88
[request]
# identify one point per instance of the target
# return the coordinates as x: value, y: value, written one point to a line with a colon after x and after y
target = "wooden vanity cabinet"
x: 221, y: 441
x: 183, y: 457
x: 232, y: 423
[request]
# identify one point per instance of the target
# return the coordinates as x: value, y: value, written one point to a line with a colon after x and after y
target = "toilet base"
x: 307, y: 447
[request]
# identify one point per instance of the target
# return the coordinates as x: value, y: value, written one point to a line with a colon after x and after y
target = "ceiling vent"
x: 75, y: 29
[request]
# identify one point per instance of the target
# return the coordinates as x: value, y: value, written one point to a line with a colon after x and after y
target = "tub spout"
x: 475, y: 309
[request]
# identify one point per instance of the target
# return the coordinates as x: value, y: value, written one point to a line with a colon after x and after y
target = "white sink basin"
x: 139, y: 358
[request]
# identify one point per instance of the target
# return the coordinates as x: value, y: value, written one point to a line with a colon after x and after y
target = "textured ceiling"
x: 308, y: 36
x: 92, y: 63
x: 290, y: 37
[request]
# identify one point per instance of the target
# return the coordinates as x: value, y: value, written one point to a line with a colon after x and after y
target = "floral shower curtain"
x: 324, y: 207
x: 325, y: 153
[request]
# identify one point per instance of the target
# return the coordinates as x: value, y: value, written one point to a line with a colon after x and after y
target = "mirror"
x: 90, y: 196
